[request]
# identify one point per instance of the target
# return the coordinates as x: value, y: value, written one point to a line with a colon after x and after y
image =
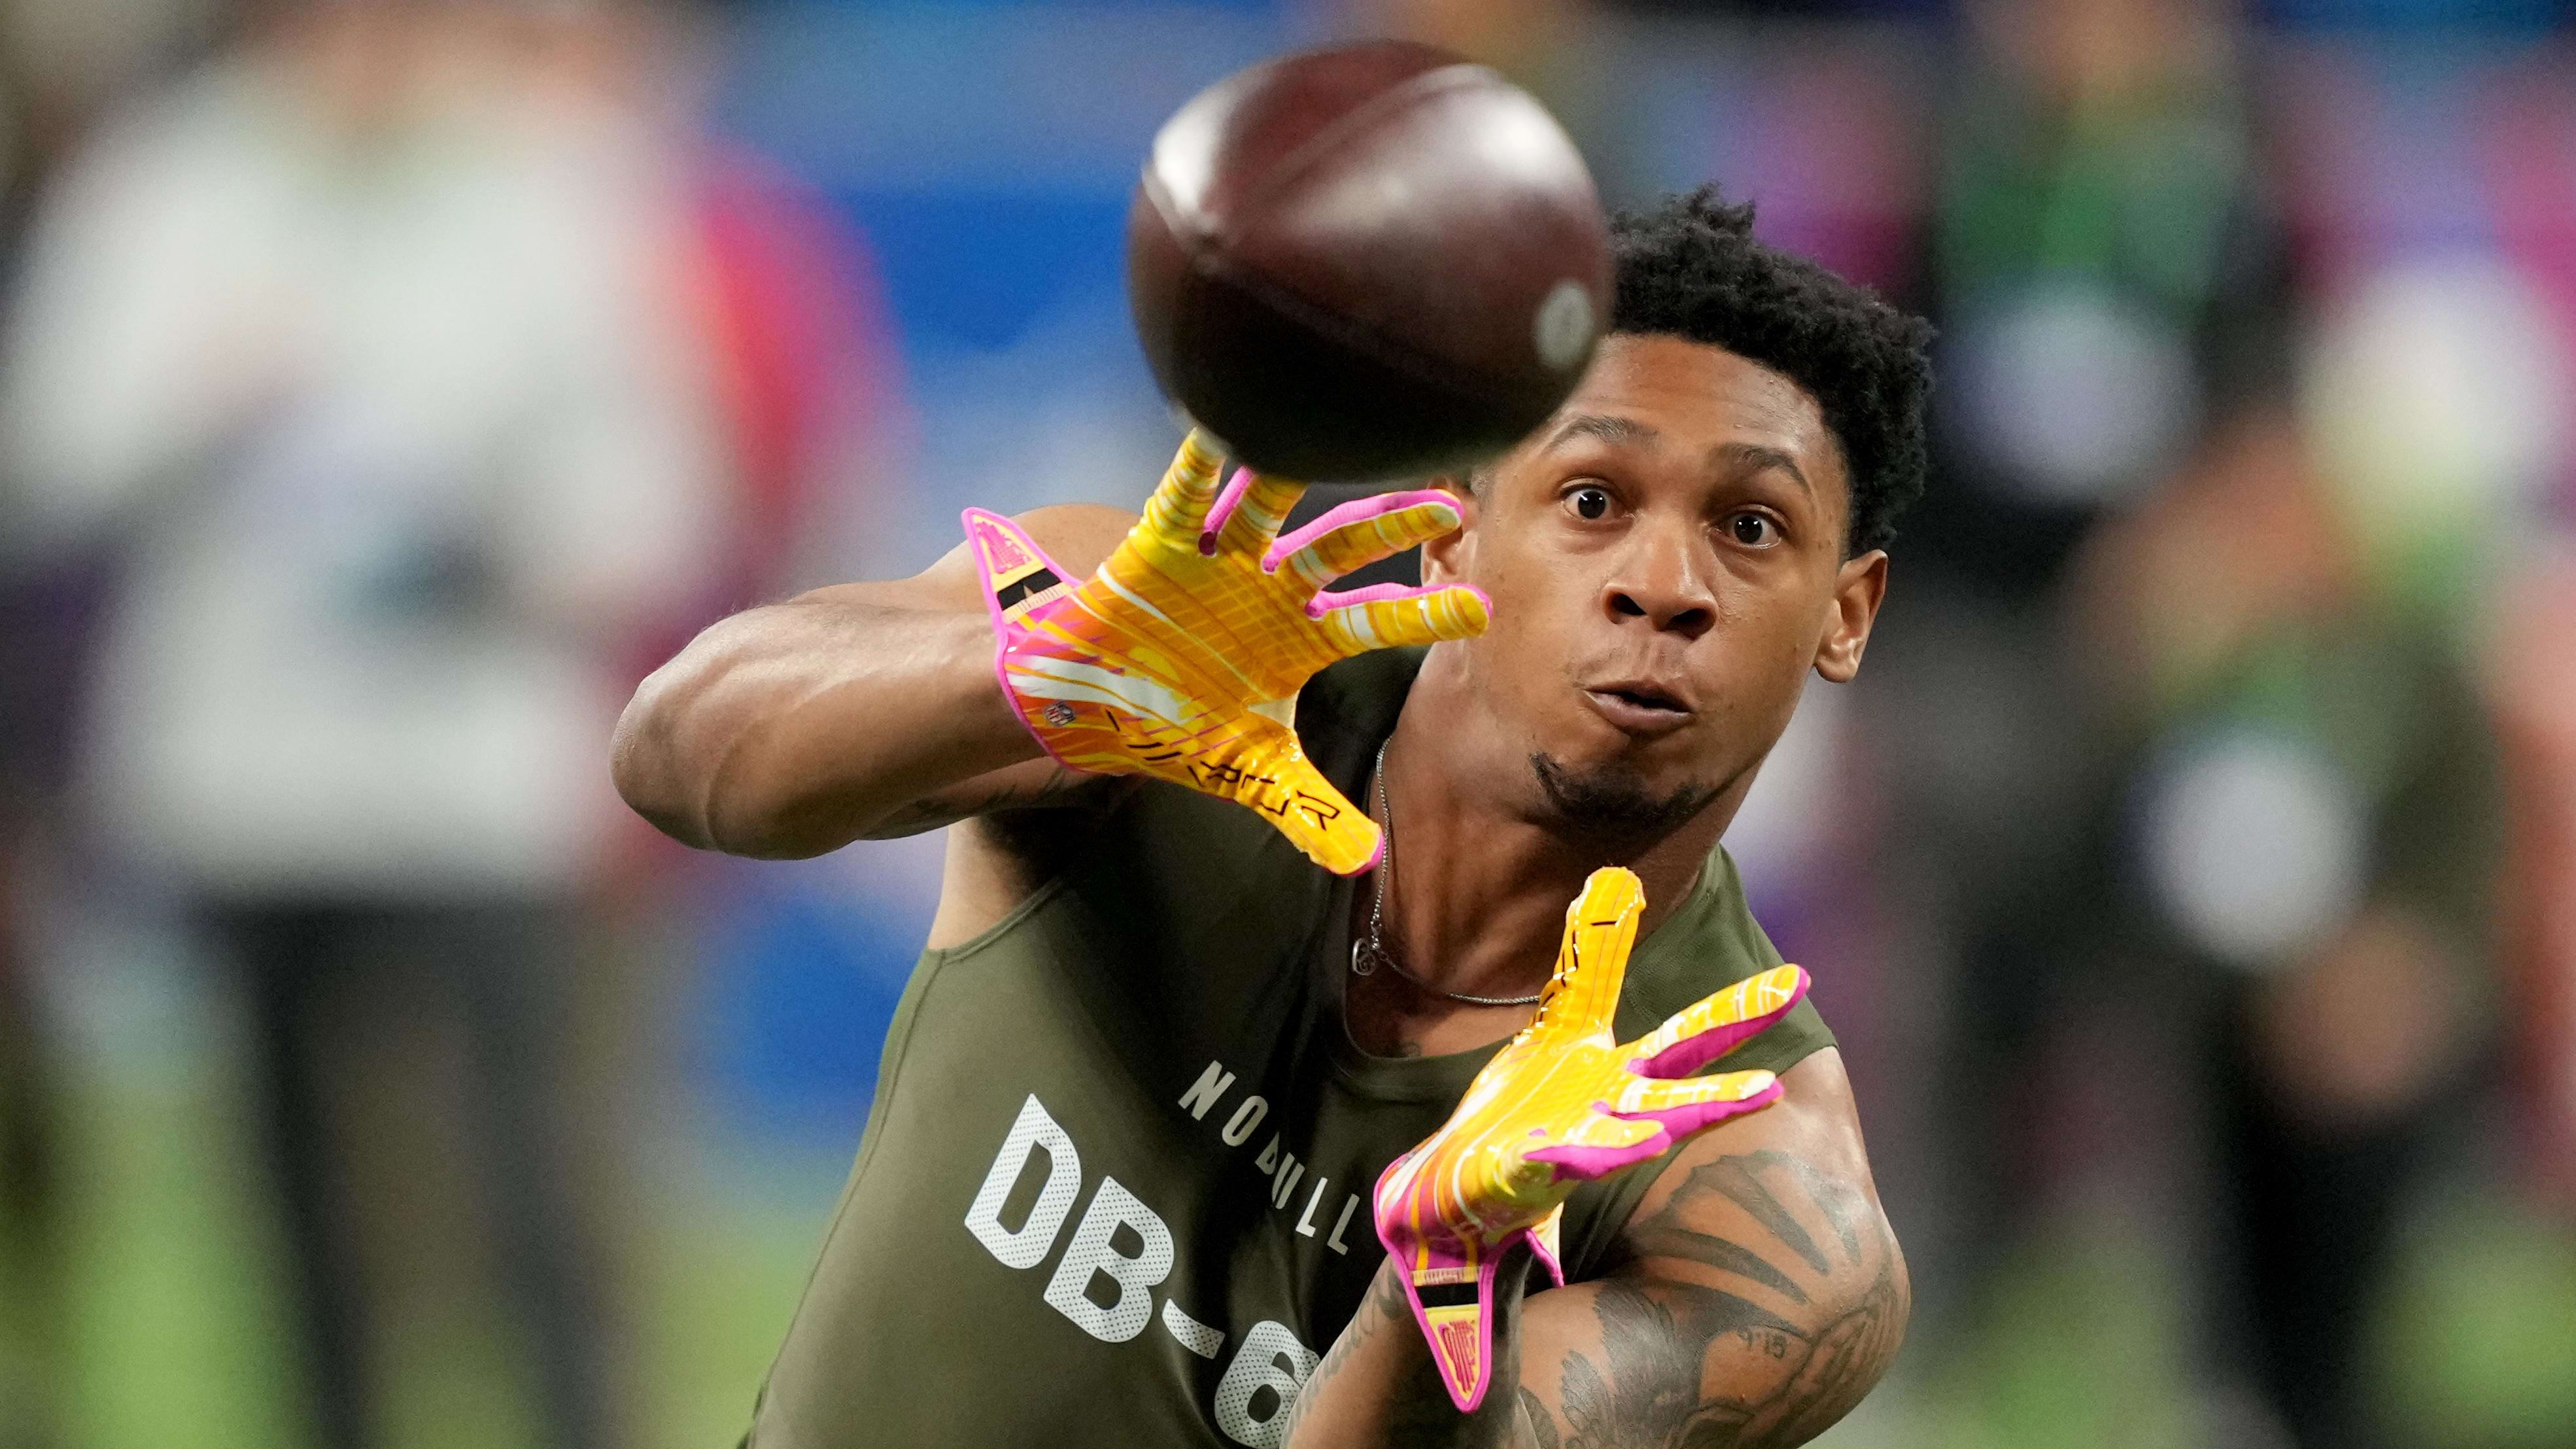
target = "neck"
x: 1477, y: 899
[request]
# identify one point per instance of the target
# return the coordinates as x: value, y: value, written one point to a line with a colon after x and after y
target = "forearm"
x: 1378, y: 1385
x: 1752, y: 1298
x: 794, y: 729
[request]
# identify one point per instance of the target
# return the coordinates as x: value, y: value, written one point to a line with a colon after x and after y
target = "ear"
x: 1859, y: 586
x: 1448, y: 558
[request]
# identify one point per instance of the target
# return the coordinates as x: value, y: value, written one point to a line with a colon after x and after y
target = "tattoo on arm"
x: 1765, y: 1344
x: 1537, y: 1426
x: 1384, y: 1305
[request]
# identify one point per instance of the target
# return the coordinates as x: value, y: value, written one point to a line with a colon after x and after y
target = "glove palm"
x: 1182, y: 657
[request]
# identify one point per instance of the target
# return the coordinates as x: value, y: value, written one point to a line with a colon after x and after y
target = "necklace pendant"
x: 1366, y: 956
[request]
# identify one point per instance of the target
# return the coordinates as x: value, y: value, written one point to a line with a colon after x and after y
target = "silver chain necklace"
x: 1369, y: 954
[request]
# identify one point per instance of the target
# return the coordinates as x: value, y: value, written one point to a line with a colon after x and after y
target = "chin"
x: 1618, y: 802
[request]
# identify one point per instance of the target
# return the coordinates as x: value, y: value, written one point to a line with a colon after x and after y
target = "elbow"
x: 1874, y: 1320
x: 714, y: 794
x: 642, y: 762
x: 1856, y: 1343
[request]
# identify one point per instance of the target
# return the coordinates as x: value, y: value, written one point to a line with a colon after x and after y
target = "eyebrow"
x: 1753, y: 457
x: 1606, y: 427
x: 1735, y: 457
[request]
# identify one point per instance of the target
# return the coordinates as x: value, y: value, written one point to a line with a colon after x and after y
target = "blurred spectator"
x: 2535, y: 701
x: 2243, y: 819
x: 59, y: 62
x: 367, y: 347
x: 2101, y: 260
x: 2307, y: 829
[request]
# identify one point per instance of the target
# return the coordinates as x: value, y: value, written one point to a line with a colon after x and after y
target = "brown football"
x: 1367, y: 262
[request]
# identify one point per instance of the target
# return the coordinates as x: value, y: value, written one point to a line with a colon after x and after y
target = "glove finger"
x: 1383, y: 616
x: 1018, y: 576
x: 1687, y: 1105
x: 1604, y: 1145
x: 1717, y: 1024
x: 1600, y: 927
x: 1267, y: 770
x: 1248, y: 514
x: 1179, y: 507
x: 1361, y: 532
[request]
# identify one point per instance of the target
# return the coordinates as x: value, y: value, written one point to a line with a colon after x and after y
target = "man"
x: 1117, y: 1183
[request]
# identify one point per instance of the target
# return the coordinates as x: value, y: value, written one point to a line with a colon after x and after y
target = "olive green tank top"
x: 1114, y: 1187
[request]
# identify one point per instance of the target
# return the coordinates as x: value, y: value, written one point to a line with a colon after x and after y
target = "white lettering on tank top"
x: 1033, y: 1132
x: 1266, y: 1373
x: 1274, y: 1161
x: 1094, y: 1255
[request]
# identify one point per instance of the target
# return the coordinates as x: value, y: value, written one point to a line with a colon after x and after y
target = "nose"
x: 1663, y: 581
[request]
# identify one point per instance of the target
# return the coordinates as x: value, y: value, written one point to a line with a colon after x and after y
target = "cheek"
x: 1526, y: 562
x: 1524, y: 657
x: 1537, y: 606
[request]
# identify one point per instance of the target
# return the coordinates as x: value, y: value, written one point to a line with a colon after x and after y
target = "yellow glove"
x: 1560, y: 1104
x: 1182, y: 657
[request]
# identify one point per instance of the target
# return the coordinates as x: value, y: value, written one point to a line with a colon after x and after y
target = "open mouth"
x: 1638, y: 706
x: 1646, y: 698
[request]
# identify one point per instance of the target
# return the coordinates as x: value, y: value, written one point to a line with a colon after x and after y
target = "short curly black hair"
x: 1690, y: 268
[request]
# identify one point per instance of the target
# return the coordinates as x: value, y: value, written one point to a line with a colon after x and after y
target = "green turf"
x: 175, y: 1329
x: 2477, y: 1348
x: 176, y: 1338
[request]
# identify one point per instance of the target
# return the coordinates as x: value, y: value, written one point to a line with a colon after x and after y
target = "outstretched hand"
x: 1182, y: 657
x: 1562, y: 1103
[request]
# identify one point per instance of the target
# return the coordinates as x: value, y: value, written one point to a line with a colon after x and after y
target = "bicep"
x: 1754, y: 1296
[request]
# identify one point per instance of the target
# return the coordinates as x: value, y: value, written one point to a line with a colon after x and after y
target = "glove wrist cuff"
x: 1449, y: 1281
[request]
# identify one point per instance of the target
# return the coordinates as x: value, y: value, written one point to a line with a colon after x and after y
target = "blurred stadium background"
x: 385, y: 384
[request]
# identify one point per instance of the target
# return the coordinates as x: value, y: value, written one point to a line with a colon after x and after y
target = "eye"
x: 1753, y: 530
x: 1590, y: 501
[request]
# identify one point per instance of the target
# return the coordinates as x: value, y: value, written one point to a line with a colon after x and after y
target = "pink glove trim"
x: 994, y: 538
x: 1328, y: 600
x: 1344, y: 514
x: 1590, y: 1163
x: 1694, y: 1052
x: 1376, y: 857
x: 1470, y: 1339
x: 1681, y: 1122
x: 1222, y: 511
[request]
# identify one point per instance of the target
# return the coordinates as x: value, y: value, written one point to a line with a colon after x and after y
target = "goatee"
x: 1610, y: 808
